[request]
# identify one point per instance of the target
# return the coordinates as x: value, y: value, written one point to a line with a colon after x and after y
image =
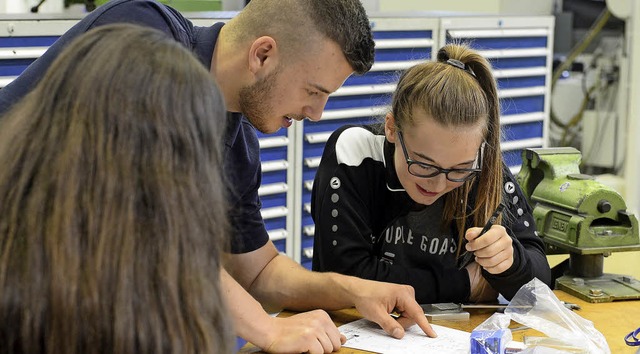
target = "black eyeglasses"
x: 425, y: 170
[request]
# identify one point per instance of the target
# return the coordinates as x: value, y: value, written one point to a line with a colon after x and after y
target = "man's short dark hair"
x: 294, y: 24
x: 346, y: 23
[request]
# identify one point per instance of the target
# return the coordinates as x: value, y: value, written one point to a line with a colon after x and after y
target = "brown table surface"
x: 613, y: 319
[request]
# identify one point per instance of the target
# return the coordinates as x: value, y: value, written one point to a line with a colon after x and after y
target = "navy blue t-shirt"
x: 241, y: 149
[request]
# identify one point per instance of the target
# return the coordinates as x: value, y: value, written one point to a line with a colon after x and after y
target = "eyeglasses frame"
x: 439, y: 170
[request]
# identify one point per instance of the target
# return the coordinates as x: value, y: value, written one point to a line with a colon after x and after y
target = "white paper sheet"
x: 366, y: 335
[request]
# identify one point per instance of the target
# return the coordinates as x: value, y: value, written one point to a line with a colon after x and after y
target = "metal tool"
x: 578, y: 215
x: 445, y: 311
x: 452, y: 306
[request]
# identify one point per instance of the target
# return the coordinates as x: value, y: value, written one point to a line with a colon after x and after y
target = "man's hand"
x: 312, y: 332
x: 376, y: 300
x: 308, y: 332
x: 280, y: 282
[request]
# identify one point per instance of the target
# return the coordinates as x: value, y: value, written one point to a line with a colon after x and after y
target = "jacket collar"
x: 393, y: 183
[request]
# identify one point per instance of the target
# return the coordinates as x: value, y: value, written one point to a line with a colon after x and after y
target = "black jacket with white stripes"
x: 366, y: 225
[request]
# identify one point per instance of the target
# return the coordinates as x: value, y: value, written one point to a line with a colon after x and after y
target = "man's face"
x: 296, y: 90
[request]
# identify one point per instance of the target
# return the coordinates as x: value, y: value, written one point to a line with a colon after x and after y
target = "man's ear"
x: 390, y: 128
x: 263, y: 56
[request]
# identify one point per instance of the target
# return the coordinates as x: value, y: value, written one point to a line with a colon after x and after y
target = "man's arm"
x: 276, y: 280
x: 311, y: 332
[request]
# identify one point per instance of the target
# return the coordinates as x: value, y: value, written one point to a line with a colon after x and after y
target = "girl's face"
x: 426, y: 141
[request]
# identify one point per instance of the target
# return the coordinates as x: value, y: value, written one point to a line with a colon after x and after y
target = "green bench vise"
x: 578, y: 215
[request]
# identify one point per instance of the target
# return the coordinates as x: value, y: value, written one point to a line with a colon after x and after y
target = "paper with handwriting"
x: 366, y: 335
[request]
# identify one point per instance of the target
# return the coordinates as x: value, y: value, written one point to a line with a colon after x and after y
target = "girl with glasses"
x: 402, y: 201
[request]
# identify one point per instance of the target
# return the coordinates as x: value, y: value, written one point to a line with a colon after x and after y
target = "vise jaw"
x: 574, y: 213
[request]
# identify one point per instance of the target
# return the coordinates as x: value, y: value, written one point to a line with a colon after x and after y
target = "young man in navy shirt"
x: 275, y: 62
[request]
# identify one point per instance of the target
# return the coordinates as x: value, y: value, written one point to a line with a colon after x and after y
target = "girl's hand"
x: 493, y: 250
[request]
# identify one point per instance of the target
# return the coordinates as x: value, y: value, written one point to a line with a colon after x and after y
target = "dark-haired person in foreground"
x: 112, y: 215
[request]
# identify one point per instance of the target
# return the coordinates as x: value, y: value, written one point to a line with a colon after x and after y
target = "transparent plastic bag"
x: 537, y: 307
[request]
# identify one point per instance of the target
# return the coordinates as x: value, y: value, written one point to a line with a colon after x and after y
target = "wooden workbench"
x: 613, y: 319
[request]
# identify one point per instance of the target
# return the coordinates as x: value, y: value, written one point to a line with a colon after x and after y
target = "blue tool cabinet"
x: 520, y: 49
x: 274, y: 190
x: 25, y: 38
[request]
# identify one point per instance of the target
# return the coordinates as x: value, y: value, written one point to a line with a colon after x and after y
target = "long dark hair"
x: 112, y: 215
